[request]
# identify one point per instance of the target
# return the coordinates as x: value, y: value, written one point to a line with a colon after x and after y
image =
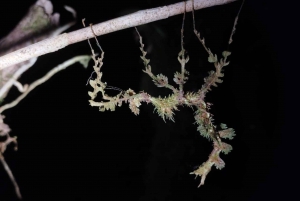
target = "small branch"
x: 131, y: 20
x: 20, y: 87
x: 8, y: 84
x: 38, y: 24
x: 82, y: 59
x: 11, y: 176
x: 235, y: 23
x: 4, y: 132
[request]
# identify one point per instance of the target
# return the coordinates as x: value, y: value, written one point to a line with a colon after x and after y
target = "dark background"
x: 69, y: 150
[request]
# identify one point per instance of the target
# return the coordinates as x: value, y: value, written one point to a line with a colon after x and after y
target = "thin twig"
x: 182, y: 27
x: 235, y: 23
x: 197, y: 33
x: 82, y: 59
x: 11, y: 176
x: 6, y: 87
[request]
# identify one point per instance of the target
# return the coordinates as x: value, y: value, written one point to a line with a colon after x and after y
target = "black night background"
x: 68, y: 150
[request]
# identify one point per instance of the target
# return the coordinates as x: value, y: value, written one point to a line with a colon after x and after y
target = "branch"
x: 135, y: 19
x: 38, y: 24
x: 11, y: 176
x: 4, y: 132
x: 84, y: 59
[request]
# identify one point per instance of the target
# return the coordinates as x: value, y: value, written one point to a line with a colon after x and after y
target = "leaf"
x: 178, y: 78
x: 226, y: 53
x: 223, y: 126
x: 212, y: 58
x: 93, y: 83
x: 92, y: 95
x: 133, y: 105
x: 226, y: 148
x: 219, y: 163
x: 227, y: 133
x: 203, y: 131
x: 161, y: 80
